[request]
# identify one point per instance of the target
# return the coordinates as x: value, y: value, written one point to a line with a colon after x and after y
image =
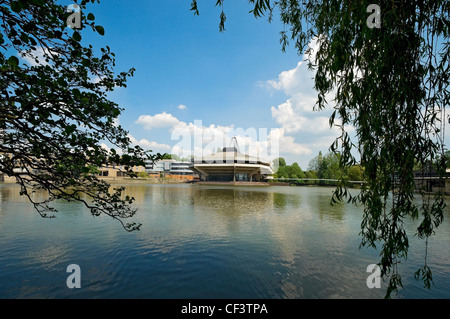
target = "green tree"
x: 314, y: 164
x: 166, y: 156
x: 280, y: 162
x: 330, y: 168
x: 288, y: 171
x: 282, y: 172
x: 391, y: 83
x: 54, y: 110
x: 280, y: 165
x: 355, y: 173
x: 295, y: 171
x: 311, y: 174
x: 326, y: 167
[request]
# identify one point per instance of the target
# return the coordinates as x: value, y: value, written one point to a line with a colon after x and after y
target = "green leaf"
x: 15, y: 6
x: 24, y: 37
x: 76, y: 36
x: 70, y: 129
x: 13, y: 61
x: 90, y: 16
x: 61, y: 82
x: 100, y: 29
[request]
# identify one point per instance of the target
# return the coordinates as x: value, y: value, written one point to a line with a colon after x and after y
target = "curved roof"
x: 230, y: 155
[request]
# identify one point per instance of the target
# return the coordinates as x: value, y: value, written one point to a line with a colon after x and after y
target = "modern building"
x: 169, y: 167
x: 230, y: 165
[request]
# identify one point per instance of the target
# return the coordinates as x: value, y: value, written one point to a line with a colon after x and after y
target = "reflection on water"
x: 281, y: 200
x: 337, y: 212
x: 201, y: 241
x: 231, y: 200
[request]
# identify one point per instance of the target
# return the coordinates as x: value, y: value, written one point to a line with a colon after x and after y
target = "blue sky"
x: 191, y: 76
x: 195, y: 88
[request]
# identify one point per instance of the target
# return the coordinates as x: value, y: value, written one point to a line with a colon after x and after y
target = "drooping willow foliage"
x: 391, y: 84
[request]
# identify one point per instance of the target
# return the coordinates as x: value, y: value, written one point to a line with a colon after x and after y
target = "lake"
x: 202, y: 241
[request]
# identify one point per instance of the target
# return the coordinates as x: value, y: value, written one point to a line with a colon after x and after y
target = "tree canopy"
x: 390, y: 82
x: 55, y: 113
x: 327, y: 167
x: 288, y: 171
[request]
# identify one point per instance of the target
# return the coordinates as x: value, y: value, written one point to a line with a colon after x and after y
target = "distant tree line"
x: 327, y: 167
x: 320, y: 167
x: 175, y: 157
x: 288, y: 171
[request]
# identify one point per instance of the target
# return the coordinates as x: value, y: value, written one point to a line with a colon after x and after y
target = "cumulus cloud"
x: 196, y: 138
x: 297, y: 113
x: 104, y: 146
x: 293, y: 121
x: 158, y: 120
x: 299, y: 81
x: 293, y: 81
x: 304, y: 131
x: 96, y: 79
x: 287, y: 143
x: 149, y: 145
x: 182, y: 107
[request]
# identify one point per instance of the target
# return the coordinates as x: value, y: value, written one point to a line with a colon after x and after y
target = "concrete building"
x: 169, y: 167
x: 230, y: 165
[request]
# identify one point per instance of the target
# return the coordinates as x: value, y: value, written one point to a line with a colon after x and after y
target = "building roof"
x: 230, y: 155
x: 230, y: 161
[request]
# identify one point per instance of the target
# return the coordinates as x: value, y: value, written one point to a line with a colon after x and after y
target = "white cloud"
x: 287, y: 143
x: 303, y: 131
x: 291, y: 81
x: 293, y: 121
x: 195, y: 138
x: 96, y: 79
x: 182, y: 107
x: 144, y: 143
x: 297, y: 114
x: 299, y: 81
x: 158, y: 120
x: 104, y: 146
x: 107, y: 148
x: 149, y: 145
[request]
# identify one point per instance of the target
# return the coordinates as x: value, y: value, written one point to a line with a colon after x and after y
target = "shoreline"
x: 162, y: 181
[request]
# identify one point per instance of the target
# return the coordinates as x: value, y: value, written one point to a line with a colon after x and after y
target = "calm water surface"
x: 204, y: 242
